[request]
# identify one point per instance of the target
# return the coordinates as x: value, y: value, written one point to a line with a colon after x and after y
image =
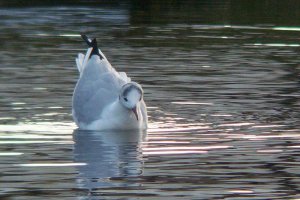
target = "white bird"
x: 105, y: 99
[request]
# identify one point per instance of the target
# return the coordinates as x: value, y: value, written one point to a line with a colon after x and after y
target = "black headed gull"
x: 105, y: 99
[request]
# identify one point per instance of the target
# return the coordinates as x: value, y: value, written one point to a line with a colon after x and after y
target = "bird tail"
x: 93, y: 44
x: 93, y: 49
x: 82, y: 60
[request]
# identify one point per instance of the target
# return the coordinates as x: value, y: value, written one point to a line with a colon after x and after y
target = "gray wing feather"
x: 92, y: 109
x: 94, y: 69
x: 98, y: 86
x: 92, y: 96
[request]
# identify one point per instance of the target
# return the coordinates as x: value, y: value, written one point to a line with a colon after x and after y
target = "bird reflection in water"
x: 108, y: 155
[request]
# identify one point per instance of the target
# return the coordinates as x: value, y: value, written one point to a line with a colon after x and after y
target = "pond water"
x: 223, y: 101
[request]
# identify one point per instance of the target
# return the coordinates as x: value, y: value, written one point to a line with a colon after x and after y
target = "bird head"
x: 130, y: 95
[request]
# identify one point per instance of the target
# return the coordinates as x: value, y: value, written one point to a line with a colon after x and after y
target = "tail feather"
x: 83, y: 60
x: 92, y: 43
x: 79, y: 62
x: 86, y: 58
x: 79, y: 66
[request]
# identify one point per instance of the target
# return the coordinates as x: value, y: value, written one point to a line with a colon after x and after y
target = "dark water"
x: 223, y: 99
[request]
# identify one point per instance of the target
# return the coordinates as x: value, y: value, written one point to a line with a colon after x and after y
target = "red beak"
x: 135, y: 113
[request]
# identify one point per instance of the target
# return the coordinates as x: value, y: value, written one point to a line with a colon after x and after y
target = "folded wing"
x: 98, y: 86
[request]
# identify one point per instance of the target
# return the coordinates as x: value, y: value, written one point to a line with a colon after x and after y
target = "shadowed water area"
x: 221, y: 82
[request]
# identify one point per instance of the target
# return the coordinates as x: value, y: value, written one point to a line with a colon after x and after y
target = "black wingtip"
x: 86, y: 39
x: 93, y: 44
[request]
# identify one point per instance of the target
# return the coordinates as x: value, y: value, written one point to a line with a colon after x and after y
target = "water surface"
x: 223, y: 99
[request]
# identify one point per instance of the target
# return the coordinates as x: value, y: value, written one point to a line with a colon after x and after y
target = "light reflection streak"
x: 240, y: 191
x: 39, y: 88
x: 55, y: 107
x: 280, y: 136
x: 49, y: 114
x: 221, y: 115
x: 42, y: 34
x: 236, y: 124
x: 276, y: 45
x: 36, y: 142
x: 11, y: 153
x: 173, y: 126
x: 184, y: 148
x: 40, y: 127
x: 60, y: 35
x: 170, y: 137
x: 263, y: 137
x: 50, y: 164
x: 211, y: 37
x: 294, y: 146
x: 166, y: 142
x: 69, y: 35
x: 7, y: 118
x: 269, y: 151
x: 191, y: 103
x: 29, y: 136
x: 179, y: 150
x: 173, y: 152
x: 286, y: 28
x: 18, y: 103
x: 18, y: 108
x: 178, y: 129
x: 211, y: 27
x: 151, y: 107
x: 268, y: 126
x: 279, y: 28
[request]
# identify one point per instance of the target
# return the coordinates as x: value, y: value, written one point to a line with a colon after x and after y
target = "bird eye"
x: 125, y: 99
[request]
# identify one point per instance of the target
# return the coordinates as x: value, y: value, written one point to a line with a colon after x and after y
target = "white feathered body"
x: 96, y: 104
